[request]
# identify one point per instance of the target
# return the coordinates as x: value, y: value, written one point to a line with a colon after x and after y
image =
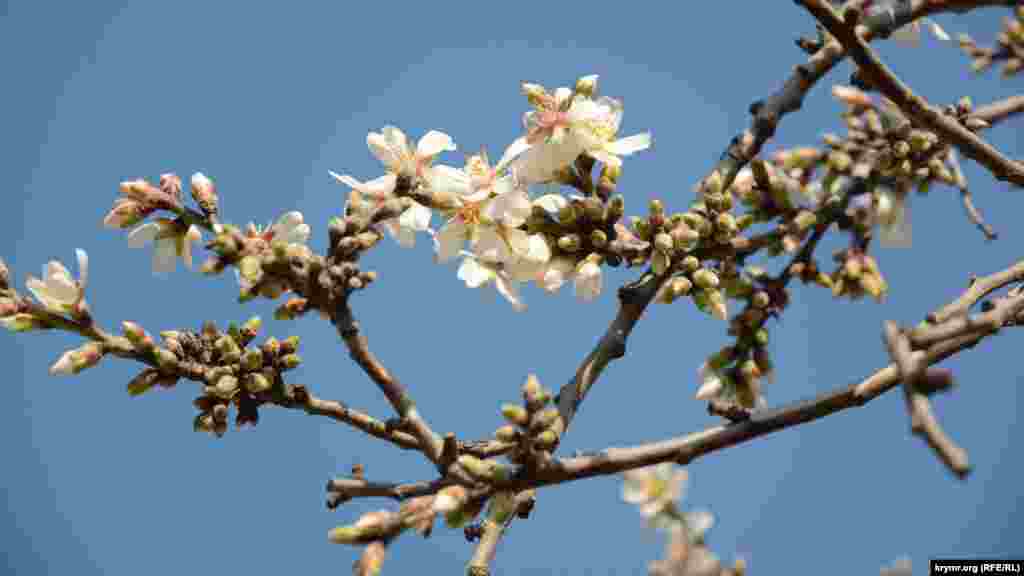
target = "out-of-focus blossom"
x: 171, y: 239
x: 653, y: 488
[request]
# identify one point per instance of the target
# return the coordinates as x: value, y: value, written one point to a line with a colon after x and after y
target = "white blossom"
x: 477, y: 272
x: 58, y: 291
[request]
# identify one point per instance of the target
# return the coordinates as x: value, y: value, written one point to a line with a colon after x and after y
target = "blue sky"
x: 266, y: 98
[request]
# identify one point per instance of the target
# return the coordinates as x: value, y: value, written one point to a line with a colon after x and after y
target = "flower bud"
x: 705, y: 278
x: 290, y: 344
x: 515, y: 414
x: 717, y: 304
x: 488, y: 470
x: 663, y: 242
x: 290, y: 361
x: 170, y: 184
x: 271, y: 347
x: 616, y: 208
x: 205, y: 194
x: 291, y: 309
x: 544, y: 419
x: 726, y: 222
x: 257, y: 383
x: 507, y: 433
x: 535, y: 93
x: 250, y: 329
x: 587, y: 86
x: 226, y: 387
x: 761, y: 299
x: 598, y: 239
x: 136, y: 335
x: 570, y: 243
x: 252, y: 360
x: 690, y: 264
x: 713, y: 183
x: 546, y: 440
x: 165, y: 359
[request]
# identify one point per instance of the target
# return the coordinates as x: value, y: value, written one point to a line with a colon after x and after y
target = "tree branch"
x: 913, y: 106
x: 394, y: 391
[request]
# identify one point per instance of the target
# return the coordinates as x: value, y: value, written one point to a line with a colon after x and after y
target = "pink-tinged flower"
x: 564, y: 125
x: 58, y: 292
x: 391, y: 147
x: 289, y: 228
x: 595, y: 124
x: 171, y: 239
x: 653, y: 488
x: 477, y: 272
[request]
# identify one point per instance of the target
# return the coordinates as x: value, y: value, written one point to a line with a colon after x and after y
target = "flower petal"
x: 433, y: 143
x: 449, y: 240
x: 143, y: 235
x: 507, y: 288
x: 83, y: 267
x: 630, y: 144
x: 165, y: 253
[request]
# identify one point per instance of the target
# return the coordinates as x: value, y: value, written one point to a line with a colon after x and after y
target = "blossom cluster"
x: 485, y: 208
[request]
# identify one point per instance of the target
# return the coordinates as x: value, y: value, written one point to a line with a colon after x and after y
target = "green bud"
x: 290, y: 344
x: 271, y: 347
x: 726, y: 222
x: 226, y: 387
x: 593, y: 208
x: 250, y: 329
x: 616, y: 208
x: 165, y: 359
x: 546, y: 440
x: 761, y: 337
x: 598, y: 239
x: 290, y: 361
x: 507, y: 433
x: 544, y: 419
x: 515, y: 414
x: 257, y: 382
x: 656, y: 208
x: 705, y: 278
x: 587, y: 86
x: 252, y: 360
x: 663, y: 242
x: 570, y: 243
x: 566, y: 215
x: 805, y: 220
x: 690, y: 264
x: 489, y: 470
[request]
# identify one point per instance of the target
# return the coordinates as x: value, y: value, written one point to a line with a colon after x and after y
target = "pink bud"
x: 124, y: 214
x: 204, y: 193
x: 170, y: 183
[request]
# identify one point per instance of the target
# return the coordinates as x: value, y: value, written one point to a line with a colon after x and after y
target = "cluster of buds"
x: 732, y: 377
x: 269, y: 260
x: 141, y: 198
x: 233, y: 372
x: 857, y: 274
x: 349, y: 238
x: 703, y: 284
x: 534, y: 426
x: 1009, y: 47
